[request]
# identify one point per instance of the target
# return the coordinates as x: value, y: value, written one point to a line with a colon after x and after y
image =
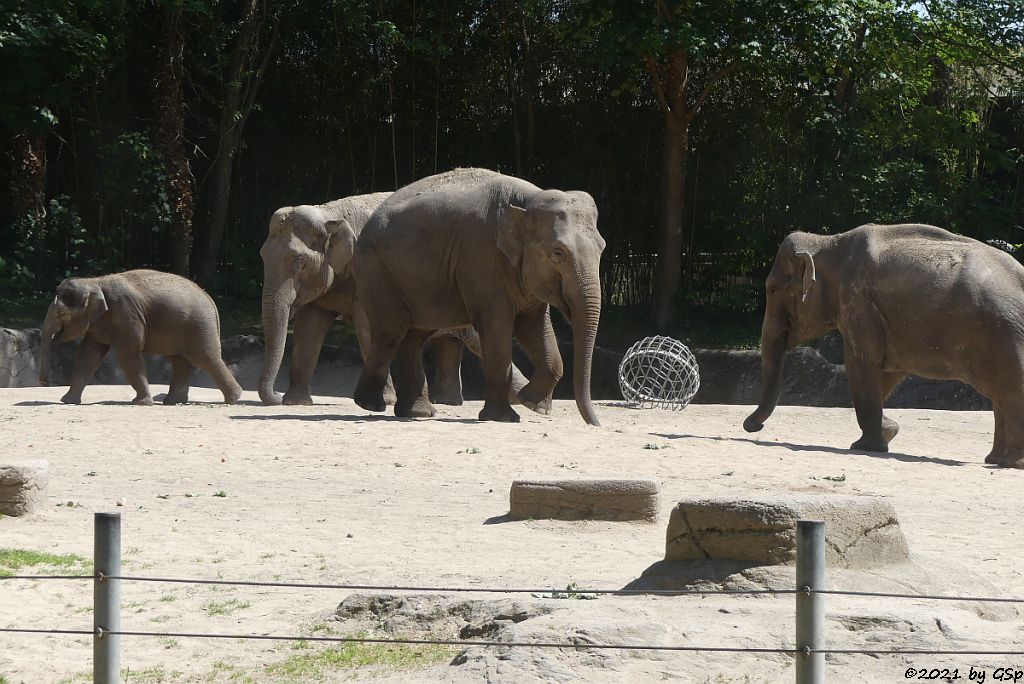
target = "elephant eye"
x: 558, y: 254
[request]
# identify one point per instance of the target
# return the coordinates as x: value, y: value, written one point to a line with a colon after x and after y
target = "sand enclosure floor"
x: 332, y: 494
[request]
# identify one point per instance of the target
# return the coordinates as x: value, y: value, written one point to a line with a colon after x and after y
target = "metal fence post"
x: 810, y: 606
x: 106, y: 648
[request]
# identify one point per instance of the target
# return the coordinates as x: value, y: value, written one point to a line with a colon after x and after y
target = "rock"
x: 584, y: 499
x: 19, y: 357
x: 860, y: 532
x: 23, y: 487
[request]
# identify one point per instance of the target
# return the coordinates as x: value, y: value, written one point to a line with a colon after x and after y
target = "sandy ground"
x: 330, y: 493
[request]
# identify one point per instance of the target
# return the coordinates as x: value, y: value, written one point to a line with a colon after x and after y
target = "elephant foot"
x: 297, y: 399
x: 369, y: 400
x: 752, y: 425
x: 535, y: 399
x: 70, y: 398
x: 449, y: 396
x: 1010, y: 462
x: 172, y: 399
x: 997, y: 458
x: 390, y: 396
x: 421, y: 408
x: 143, y: 401
x: 890, y: 428
x: 542, y: 407
x: 871, y: 444
x: 500, y: 414
x: 232, y: 396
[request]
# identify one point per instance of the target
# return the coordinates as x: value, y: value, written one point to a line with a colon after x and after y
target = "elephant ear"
x: 95, y: 304
x: 341, y: 245
x: 809, y: 274
x: 511, y: 232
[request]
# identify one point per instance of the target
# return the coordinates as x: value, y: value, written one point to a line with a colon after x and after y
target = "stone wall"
x: 727, y: 376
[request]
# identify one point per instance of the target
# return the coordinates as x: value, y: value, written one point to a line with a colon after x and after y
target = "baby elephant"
x: 135, y: 312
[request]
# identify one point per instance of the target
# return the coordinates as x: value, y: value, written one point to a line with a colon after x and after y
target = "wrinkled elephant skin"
x: 137, y: 312
x: 474, y: 247
x: 907, y: 298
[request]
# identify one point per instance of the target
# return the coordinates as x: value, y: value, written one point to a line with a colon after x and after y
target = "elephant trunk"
x: 586, y: 314
x: 278, y: 296
x: 51, y: 329
x: 774, y: 336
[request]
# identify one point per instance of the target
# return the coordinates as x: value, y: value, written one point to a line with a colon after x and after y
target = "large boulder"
x: 23, y: 486
x: 860, y: 531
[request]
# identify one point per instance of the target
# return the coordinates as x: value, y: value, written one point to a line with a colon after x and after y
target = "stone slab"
x: 860, y: 531
x: 23, y: 486
x: 584, y: 499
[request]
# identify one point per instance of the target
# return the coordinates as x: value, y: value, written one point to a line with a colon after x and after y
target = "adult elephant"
x: 474, y: 247
x: 307, y: 279
x: 907, y: 299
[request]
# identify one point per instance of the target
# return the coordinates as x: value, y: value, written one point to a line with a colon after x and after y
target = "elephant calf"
x: 135, y: 312
x: 907, y: 299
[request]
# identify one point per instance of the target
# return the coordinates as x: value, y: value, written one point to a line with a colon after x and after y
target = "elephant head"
x: 302, y: 256
x: 77, y: 305
x: 799, y: 307
x: 553, y: 245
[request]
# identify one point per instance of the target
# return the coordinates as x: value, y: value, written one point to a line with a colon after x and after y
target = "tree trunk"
x: 169, y: 134
x: 26, y: 176
x: 670, y: 225
x: 242, y: 82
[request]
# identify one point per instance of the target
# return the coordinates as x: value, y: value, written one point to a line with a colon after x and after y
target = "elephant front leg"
x: 447, y: 385
x: 496, y: 348
x: 998, y: 455
x: 309, y: 331
x: 135, y: 372
x: 866, y: 385
x: 88, y: 357
x: 410, y: 379
x: 537, y: 338
x: 1008, y: 445
x: 378, y: 347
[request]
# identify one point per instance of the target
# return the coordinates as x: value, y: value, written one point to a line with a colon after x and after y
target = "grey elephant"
x: 307, y: 279
x: 907, y: 299
x: 474, y: 247
x: 137, y: 312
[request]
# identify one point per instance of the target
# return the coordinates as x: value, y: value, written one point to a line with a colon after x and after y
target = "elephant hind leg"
x: 410, y: 379
x: 180, y: 371
x: 998, y: 455
x: 214, y: 365
x: 1008, y: 442
x: 447, y: 385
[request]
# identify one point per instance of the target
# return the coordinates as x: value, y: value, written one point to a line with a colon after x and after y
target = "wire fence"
x: 807, y: 649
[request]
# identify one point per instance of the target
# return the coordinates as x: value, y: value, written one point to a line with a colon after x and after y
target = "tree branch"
x: 712, y: 80
x: 659, y: 92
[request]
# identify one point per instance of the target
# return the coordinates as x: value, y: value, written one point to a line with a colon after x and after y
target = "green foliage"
x: 837, y: 114
x: 46, y: 249
x: 313, y: 665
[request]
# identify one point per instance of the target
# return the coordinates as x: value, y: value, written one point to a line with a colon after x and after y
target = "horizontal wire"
x: 411, y: 642
x: 452, y: 590
x: 517, y: 644
x: 927, y: 597
x: 546, y: 590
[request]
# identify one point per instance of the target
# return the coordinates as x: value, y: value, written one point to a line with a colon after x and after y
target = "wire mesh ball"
x: 659, y: 372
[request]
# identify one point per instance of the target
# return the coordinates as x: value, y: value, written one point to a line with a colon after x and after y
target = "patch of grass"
x: 470, y: 450
x: 14, y: 560
x: 835, y: 478
x: 223, y: 669
x: 150, y: 675
x: 83, y: 677
x: 655, y: 447
x: 225, y: 607
x: 315, y: 665
x: 221, y: 493
x: 572, y: 591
